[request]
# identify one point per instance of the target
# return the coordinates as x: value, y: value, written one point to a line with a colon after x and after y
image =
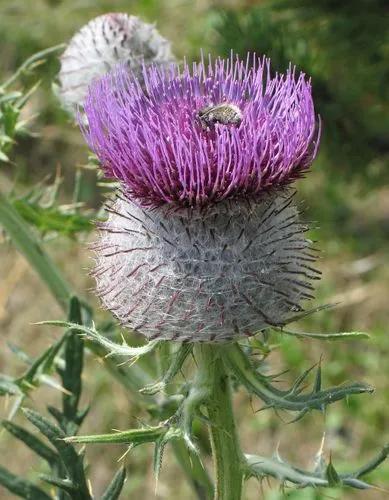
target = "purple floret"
x: 151, y: 138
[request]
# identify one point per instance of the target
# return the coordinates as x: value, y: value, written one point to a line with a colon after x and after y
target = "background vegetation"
x: 344, y: 46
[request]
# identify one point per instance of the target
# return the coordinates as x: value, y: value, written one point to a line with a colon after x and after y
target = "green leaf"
x: 194, y: 470
x: 47, y: 219
x: 132, y: 436
x: 4, y: 157
x: 374, y: 462
x: 21, y: 487
x: 74, y: 360
x: 260, y: 467
x: 37, y: 373
x: 308, y: 312
x: 317, y: 383
x: 242, y: 367
x: 43, y: 365
x: 332, y: 476
x: 10, y: 96
x: 112, y: 348
x: 24, y: 357
x: 26, y: 242
x: 32, y: 442
x: 31, y: 63
x: 71, y: 460
x: 115, y: 487
x: 177, y: 360
x: 8, y: 386
x: 327, y: 336
x: 172, y: 434
x: 63, y: 484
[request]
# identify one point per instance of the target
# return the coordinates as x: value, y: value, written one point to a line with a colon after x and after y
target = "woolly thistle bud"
x: 202, y: 276
x: 102, y: 44
x: 204, y: 243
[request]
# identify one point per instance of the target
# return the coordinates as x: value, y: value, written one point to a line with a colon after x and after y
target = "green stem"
x: 227, y: 456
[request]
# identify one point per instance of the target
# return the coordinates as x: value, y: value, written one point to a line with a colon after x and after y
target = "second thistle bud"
x: 103, y: 43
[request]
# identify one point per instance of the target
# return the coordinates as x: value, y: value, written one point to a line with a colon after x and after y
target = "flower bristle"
x: 149, y: 136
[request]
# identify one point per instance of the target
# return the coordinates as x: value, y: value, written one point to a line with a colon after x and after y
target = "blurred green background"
x: 344, y: 47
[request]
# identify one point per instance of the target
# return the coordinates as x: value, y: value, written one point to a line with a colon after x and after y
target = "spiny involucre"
x: 204, y: 242
x: 100, y: 45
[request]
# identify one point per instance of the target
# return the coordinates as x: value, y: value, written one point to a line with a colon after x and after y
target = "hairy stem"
x: 227, y: 456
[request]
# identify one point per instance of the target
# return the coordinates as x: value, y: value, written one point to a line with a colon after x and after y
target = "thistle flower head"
x: 228, y: 272
x: 196, y: 136
x: 204, y: 242
x: 102, y: 44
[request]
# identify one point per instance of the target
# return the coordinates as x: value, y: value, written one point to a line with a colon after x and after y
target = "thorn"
x: 132, y: 446
x: 299, y: 416
x: 90, y: 488
x: 319, y: 464
x: 300, y: 380
x: 277, y: 452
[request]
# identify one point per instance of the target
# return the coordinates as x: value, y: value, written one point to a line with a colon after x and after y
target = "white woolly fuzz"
x: 212, y: 275
x: 100, y: 45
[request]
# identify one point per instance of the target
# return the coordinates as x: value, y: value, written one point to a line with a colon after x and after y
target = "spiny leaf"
x: 317, y: 383
x: 373, y: 463
x: 42, y: 365
x: 158, y: 457
x: 63, y: 484
x: 28, y: 244
x: 171, y: 435
x: 259, y: 466
x: 21, y: 487
x: 178, y: 358
x: 115, y: 487
x: 31, y: 63
x: 136, y: 436
x: 71, y: 375
x: 8, y: 386
x: 24, y: 357
x: 32, y: 442
x: 52, y: 218
x: 258, y: 384
x: 298, y: 384
x: 71, y: 460
x: 112, y: 347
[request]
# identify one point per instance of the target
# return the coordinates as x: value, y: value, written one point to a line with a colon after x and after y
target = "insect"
x: 224, y: 113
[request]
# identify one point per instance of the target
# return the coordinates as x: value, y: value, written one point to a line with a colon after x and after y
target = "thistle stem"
x: 227, y: 456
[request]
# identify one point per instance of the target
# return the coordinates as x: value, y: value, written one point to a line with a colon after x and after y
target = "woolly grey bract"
x: 100, y: 45
x: 204, y: 275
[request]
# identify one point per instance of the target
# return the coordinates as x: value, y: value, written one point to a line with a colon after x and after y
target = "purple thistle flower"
x: 195, y: 137
x: 203, y: 243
